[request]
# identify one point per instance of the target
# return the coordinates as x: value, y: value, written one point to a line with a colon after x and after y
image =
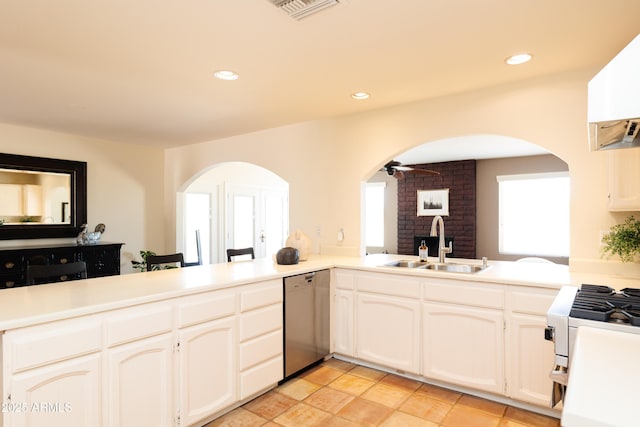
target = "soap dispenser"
x: 423, y: 251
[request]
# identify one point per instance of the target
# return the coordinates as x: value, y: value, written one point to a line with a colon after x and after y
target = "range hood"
x: 614, y: 102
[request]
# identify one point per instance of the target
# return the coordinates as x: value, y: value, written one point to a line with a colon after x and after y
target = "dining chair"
x: 56, y: 272
x: 198, y: 252
x: 155, y: 261
x: 237, y: 252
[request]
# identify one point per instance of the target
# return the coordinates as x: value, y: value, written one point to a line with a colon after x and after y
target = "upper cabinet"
x: 624, y: 180
x: 20, y: 200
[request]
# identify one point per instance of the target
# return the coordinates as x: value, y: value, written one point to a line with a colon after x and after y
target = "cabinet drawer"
x: 204, y: 307
x: 261, y: 377
x: 261, y: 294
x: 137, y: 322
x: 345, y: 280
x: 260, y: 322
x: 474, y: 294
x: 389, y: 284
x: 532, y: 301
x: 43, y: 344
x: 260, y: 349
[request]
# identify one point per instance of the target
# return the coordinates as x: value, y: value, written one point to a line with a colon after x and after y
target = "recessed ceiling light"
x: 520, y: 58
x: 360, y: 95
x: 226, y: 75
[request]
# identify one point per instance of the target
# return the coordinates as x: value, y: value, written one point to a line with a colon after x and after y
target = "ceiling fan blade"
x: 423, y: 171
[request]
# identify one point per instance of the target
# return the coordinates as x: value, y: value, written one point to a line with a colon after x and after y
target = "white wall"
x: 325, y: 161
x: 124, y: 185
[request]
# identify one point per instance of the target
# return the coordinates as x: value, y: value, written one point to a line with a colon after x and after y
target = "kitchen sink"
x: 406, y: 263
x: 456, y: 268
x: 447, y: 267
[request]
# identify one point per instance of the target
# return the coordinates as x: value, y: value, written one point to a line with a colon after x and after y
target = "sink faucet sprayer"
x: 442, y: 249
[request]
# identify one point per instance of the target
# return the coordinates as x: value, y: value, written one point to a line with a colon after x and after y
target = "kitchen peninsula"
x: 162, y: 335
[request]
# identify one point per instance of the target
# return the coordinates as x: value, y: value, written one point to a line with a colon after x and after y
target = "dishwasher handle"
x: 310, y: 276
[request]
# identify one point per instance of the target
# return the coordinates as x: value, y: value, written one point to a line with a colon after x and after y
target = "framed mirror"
x: 41, y: 197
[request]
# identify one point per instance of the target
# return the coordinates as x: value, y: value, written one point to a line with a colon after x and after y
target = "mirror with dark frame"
x: 41, y: 197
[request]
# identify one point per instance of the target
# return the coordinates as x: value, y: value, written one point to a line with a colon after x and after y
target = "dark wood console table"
x: 102, y: 258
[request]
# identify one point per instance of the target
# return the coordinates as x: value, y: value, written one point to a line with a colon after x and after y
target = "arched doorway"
x: 233, y: 205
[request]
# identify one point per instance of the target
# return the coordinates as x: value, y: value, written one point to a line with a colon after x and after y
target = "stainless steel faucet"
x: 442, y: 249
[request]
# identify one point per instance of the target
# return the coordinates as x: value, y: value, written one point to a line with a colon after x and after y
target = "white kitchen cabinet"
x: 140, y: 378
x: 388, y: 331
x: 10, y: 200
x: 66, y: 393
x: 343, y: 312
x: 463, y: 334
x: 260, y: 338
x: 207, y: 360
x: 624, y: 180
x: 32, y: 200
x: 529, y: 356
x: 464, y: 345
x: 343, y: 322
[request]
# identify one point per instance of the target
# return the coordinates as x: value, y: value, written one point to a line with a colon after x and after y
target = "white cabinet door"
x: 531, y: 359
x: 464, y: 345
x: 140, y: 379
x: 61, y: 394
x: 388, y: 331
x: 207, y: 369
x: 10, y: 200
x: 32, y: 199
x: 624, y: 180
x: 343, y: 322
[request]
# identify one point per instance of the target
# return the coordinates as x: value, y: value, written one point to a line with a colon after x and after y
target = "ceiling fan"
x: 396, y: 169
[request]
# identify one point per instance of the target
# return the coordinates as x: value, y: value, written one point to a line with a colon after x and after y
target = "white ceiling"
x: 140, y: 71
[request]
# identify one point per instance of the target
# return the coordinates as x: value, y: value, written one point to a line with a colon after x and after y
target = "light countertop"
x: 603, y: 380
x: 30, y: 305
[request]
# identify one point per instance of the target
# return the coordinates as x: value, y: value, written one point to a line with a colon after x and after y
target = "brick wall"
x: 460, y: 178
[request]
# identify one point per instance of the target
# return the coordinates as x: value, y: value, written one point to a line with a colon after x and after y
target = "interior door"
x: 258, y: 218
x: 197, y: 216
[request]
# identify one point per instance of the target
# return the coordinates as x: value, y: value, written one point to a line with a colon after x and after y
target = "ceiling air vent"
x: 298, y: 9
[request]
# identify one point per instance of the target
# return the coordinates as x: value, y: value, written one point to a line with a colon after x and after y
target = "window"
x: 374, y: 214
x: 534, y: 214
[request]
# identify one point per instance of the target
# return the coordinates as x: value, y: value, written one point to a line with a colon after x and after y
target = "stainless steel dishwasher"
x: 306, y: 320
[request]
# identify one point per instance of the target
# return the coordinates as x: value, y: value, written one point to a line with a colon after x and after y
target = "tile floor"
x: 341, y: 394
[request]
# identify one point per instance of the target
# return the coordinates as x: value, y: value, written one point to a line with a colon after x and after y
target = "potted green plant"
x: 623, y: 240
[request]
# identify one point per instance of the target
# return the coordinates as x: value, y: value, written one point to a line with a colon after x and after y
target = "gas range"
x: 596, y: 306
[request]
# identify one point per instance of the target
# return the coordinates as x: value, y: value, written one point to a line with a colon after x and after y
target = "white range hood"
x: 614, y: 102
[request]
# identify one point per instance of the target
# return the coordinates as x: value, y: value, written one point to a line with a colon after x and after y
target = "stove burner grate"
x: 604, y: 304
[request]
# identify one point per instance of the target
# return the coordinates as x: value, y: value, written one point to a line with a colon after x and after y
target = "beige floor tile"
x: 351, y: 384
x: 398, y: 381
x: 400, y: 419
x: 329, y: 400
x: 303, y: 415
x: 386, y: 395
x: 238, y: 418
x: 365, y: 413
x: 426, y: 407
x: 368, y: 373
x: 322, y: 375
x: 530, y: 419
x: 439, y: 393
x: 338, y: 364
x: 298, y: 388
x: 270, y: 404
x: 339, y: 422
x: 493, y: 408
x: 463, y: 416
x: 510, y: 423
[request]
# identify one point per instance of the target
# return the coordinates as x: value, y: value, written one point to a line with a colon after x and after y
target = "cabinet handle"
x: 63, y: 260
x: 9, y: 283
x: 9, y: 264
